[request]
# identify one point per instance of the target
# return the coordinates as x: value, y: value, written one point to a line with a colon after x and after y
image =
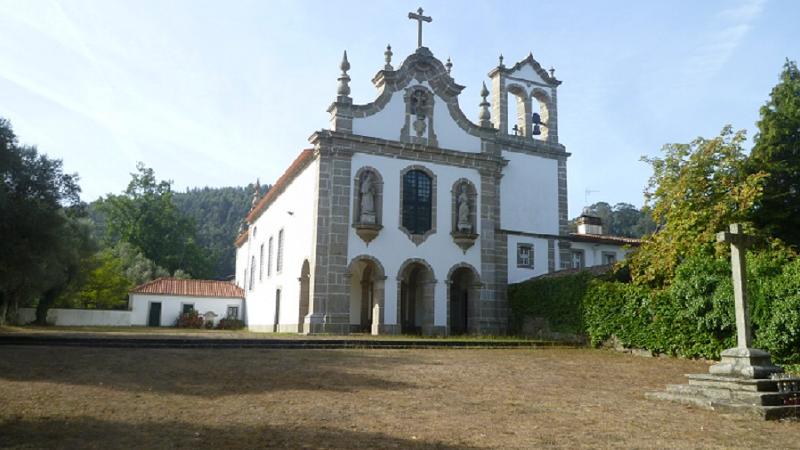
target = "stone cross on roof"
x: 419, y: 18
x: 739, y: 243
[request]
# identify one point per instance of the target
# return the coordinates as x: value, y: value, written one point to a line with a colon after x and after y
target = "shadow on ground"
x: 83, y: 432
x: 199, y: 372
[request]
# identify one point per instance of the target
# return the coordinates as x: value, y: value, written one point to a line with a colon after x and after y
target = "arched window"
x: 417, y: 195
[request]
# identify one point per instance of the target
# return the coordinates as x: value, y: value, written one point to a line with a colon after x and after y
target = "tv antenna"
x: 587, y: 193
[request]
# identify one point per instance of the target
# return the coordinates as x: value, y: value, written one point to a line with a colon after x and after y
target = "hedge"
x: 693, y: 317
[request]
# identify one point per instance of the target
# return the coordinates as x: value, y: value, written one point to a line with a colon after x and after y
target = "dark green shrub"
x: 780, y: 335
x: 230, y: 324
x: 557, y: 299
x: 190, y: 319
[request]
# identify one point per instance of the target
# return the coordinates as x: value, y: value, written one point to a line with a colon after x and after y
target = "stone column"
x: 564, y: 246
x: 492, y: 314
x: 331, y: 295
x: 742, y: 361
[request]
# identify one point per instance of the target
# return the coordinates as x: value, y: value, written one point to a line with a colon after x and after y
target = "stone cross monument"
x: 742, y: 361
x: 419, y: 18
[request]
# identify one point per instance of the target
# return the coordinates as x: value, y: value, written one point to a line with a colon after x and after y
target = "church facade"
x: 407, y: 217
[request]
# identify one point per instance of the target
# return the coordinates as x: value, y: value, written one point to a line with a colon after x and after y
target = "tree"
x: 146, y: 217
x: 37, y: 200
x: 64, y: 267
x: 696, y: 190
x: 623, y: 219
x: 777, y: 152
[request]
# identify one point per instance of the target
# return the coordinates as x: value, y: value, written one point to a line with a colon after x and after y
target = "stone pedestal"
x: 746, y: 363
x: 760, y: 398
x: 367, y: 232
x: 376, y: 320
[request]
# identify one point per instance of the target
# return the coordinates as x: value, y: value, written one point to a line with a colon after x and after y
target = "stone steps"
x: 758, y: 398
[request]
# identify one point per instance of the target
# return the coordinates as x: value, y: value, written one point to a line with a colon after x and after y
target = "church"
x: 407, y: 217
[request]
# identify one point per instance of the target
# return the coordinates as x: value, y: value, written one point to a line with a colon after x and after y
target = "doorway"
x: 154, y: 315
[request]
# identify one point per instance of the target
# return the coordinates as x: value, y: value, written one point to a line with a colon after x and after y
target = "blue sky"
x: 218, y: 93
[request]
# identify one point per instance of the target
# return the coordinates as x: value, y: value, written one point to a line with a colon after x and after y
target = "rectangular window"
x: 578, y: 261
x: 186, y: 308
x: 233, y: 312
x: 609, y: 257
x: 269, y: 258
x: 525, y: 255
x: 252, y: 272
x: 417, y: 202
x: 279, y: 260
x: 261, y: 263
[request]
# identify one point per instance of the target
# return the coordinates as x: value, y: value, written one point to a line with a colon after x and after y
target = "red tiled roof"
x: 190, y: 288
x: 604, y: 239
x: 277, y: 189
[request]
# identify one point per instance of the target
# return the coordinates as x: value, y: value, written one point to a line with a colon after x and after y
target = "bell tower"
x: 533, y: 90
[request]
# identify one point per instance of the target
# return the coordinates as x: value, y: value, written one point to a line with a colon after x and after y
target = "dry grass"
x: 552, y: 398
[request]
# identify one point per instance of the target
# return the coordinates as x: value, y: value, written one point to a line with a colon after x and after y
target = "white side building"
x: 158, y: 303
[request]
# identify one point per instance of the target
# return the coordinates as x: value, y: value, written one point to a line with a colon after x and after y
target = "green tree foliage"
x: 110, y: 275
x: 777, y: 152
x: 218, y: 213
x: 622, y: 219
x: 105, y: 287
x: 145, y: 216
x: 64, y: 268
x: 39, y: 210
x: 696, y: 190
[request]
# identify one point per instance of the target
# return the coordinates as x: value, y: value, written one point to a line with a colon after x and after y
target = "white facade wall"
x: 63, y: 317
x: 388, y: 122
x: 593, y: 253
x: 392, y: 246
x: 529, y: 194
x: 299, y: 231
x: 172, y: 305
x: 540, y: 256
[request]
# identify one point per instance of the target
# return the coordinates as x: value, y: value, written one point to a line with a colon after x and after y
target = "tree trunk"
x: 3, y: 309
x: 47, y: 300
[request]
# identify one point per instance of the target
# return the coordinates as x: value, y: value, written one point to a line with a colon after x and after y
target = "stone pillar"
x: 552, y: 118
x: 742, y: 361
x: 564, y: 246
x: 331, y: 288
x: 492, y: 314
x: 499, y: 104
x: 377, y: 319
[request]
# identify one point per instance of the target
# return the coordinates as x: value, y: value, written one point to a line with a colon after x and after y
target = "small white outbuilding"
x: 158, y: 303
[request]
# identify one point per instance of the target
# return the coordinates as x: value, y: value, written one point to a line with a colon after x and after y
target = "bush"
x: 692, y: 317
x: 230, y: 324
x: 190, y: 319
x: 558, y: 299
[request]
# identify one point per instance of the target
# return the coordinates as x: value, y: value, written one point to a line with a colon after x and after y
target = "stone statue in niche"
x: 464, y: 224
x: 367, y: 191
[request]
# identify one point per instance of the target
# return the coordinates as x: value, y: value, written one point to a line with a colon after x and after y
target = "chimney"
x: 589, y: 223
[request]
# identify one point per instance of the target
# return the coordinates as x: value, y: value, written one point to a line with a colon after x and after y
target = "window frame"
x: 417, y: 216
x: 279, y: 257
x: 522, y: 246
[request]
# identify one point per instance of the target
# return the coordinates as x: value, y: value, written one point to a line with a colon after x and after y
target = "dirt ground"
x: 223, y: 398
